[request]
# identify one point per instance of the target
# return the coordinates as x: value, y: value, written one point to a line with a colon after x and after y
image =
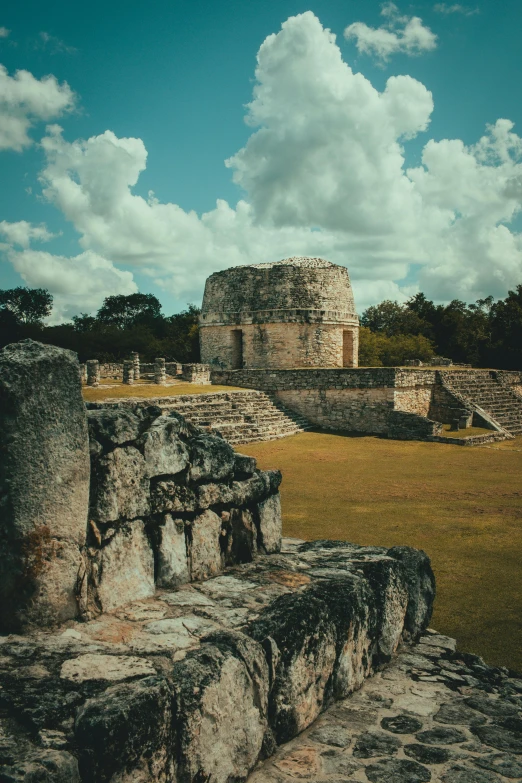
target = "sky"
x: 146, y: 146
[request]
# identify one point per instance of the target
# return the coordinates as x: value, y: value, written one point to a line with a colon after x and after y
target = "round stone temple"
x: 298, y: 312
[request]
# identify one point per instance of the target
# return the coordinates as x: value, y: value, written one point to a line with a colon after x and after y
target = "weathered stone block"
x: 119, y: 486
x: 44, y: 483
x: 125, y: 734
x: 205, y: 552
x: 173, y: 567
x: 212, y: 459
x: 167, y: 495
x: 164, y: 451
x: 123, y: 570
x: 226, y: 680
x: 113, y: 426
x: 270, y: 524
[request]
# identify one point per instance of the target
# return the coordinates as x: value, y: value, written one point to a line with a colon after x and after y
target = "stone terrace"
x: 483, y: 389
x: 433, y: 715
x: 240, y: 416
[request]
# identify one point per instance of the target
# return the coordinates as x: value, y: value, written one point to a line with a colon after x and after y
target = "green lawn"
x: 463, y: 506
x: 114, y: 389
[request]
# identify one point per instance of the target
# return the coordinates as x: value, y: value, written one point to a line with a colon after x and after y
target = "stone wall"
x: 281, y: 345
x: 165, y: 503
x: 357, y: 400
x: 169, y: 504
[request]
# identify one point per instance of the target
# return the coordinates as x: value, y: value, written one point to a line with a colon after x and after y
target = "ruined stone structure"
x: 192, y: 646
x: 298, y: 312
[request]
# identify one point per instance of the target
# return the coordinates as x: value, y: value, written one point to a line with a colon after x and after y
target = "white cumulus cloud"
x: 23, y: 233
x: 25, y: 100
x: 4, y: 32
x: 78, y: 284
x: 456, y: 8
x: 323, y: 173
x: 399, y: 34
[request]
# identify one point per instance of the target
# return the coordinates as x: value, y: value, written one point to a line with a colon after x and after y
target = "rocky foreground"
x: 432, y: 715
x: 200, y: 683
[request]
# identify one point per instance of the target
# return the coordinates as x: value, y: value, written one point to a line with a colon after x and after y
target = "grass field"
x: 115, y: 389
x: 463, y: 506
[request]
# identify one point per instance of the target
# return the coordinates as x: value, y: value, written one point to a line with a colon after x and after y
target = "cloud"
x: 78, y: 284
x: 399, y: 34
x: 323, y: 173
x: 444, y: 8
x: 25, y: 100
x: 54, y: 45
x: 4, y: 32
x: 22, y: 233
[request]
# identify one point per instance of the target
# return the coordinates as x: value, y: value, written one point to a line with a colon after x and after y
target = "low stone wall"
x: 202, y: 682
x: 169, y: 504
x: 165, y: 503
x: 196, y: 373
x: 357, y: 400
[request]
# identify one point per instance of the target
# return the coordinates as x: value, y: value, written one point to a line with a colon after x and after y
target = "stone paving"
x: 432, y: 715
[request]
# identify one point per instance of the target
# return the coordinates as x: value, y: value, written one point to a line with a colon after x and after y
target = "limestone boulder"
x: 164, y: 451
x: 211, y: 458
x: 125, y: 734
x: 270, y: 524
x: 44, y: 484
x: 244, y: 466
x: 227, y: 677
x: 122, y: 570
x: 169, y: 495
x: 112, y: 427
x: 119, y: 486
x: 204, y: 547
x: 173, y: 565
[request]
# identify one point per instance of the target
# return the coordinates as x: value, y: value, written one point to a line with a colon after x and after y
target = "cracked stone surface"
x: 402, y: 728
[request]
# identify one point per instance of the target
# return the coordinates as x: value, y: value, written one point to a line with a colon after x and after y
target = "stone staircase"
x: 482, y: 389
x: 240, y: 416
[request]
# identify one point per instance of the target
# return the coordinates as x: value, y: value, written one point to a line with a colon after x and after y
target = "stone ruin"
x: 298, y: 312
x: 153, y: 628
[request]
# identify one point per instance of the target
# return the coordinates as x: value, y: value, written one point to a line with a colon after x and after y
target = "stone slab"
x: 200, y: 682
x: 395, y: 728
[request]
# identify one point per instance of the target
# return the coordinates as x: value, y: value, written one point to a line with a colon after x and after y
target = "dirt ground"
x: 463, y: 506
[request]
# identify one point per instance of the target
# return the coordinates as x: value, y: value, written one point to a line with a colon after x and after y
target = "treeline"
x: 484, y: 334
x: 121, y: 325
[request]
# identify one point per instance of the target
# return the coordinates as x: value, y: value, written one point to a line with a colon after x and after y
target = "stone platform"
x: 433, y: 715
x: 200, y: 683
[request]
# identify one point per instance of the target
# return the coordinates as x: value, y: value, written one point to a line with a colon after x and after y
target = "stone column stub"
x: 93, y: 372
x: 128, y: 372
x: 136, y: 364
x: 160, y: 373
x: 44, y: 484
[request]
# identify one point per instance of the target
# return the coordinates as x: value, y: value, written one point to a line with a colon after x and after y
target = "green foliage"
x: 380, y: 350
x: 128, y: 311
x: 26, y: 305
x: 484, y: 334
x: 122, y: 324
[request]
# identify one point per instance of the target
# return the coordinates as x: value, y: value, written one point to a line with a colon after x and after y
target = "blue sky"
x: 177, y: 76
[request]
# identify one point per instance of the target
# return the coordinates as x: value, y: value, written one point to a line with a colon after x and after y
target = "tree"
x: 28, y: 305
x: 125, y: 311
x: 393, y: 318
